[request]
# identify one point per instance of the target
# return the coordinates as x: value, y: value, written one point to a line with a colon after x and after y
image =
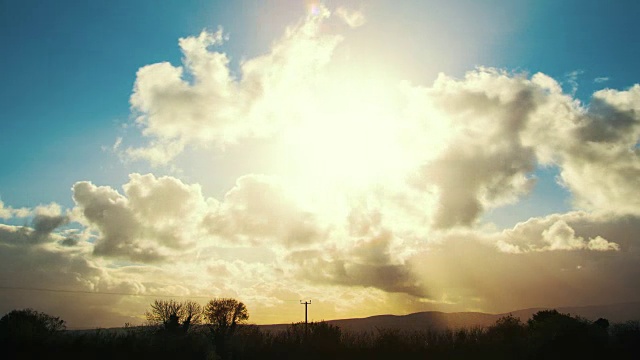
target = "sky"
x: 373, y: 157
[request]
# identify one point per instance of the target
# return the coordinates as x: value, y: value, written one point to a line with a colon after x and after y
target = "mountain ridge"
x: 439, y: 320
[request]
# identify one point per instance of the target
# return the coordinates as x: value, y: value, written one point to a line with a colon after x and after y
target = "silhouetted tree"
x: 626, y: 337
x: 557, y: 335
x: 506, y: 339
x: 192, y: 314
x: 27, y: 327
x: 602, y: 323
x: 174, y: 316
x: 506, y: 328
x: 224, y: 314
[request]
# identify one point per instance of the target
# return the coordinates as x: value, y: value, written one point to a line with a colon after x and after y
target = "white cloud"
x: 599, y: 157
x: 572, y: 79
x: 486, y: 162
x: 257, y: 211
x: 504, y: 125
x: 561, y: 236
x: 474, y: 143
x: 216, y: 107
x: 353, y: 18
x: 558, y: 232
x: 7, y: 212
x: 154, y: 219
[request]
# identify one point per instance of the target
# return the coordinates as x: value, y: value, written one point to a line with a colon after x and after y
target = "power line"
x: 97, y: 292
x: 24, y: 288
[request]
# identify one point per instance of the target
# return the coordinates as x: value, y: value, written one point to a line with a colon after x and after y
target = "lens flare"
x: 314, y: 8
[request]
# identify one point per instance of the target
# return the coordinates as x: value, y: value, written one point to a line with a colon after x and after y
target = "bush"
x: 626, y: 339
x: 27, y: 327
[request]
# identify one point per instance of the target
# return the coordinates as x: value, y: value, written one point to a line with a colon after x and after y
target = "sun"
x: 349, y: 138
x: 353, y: 127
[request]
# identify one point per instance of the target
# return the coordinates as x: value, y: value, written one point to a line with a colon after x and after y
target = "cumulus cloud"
x: 599, y: 159
x: 216, y: 107
x: 365, y: 262
x: 486, y: 162
x: 45, y: 220
x: 487, y: 131
x: 7, y: 212
x: 162, y: 219
x: 258, y: 210
x: 152, y: 220
x: 556, y: 232
x: 570, y: 256
x: 504, y: 125
x: 592, y: 231
x: 156, y: 218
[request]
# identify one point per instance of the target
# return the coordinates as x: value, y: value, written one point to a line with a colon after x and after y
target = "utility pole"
x: 306, y: 304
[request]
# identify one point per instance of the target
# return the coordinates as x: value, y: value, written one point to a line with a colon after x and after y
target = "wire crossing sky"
x: 380, y: 157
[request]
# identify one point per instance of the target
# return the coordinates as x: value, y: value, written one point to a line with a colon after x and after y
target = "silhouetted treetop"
x: 174, y: 315
x: 223, y: 314
x: 28, y: 325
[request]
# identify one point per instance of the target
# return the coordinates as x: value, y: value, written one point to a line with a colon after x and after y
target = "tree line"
x: 219, y: 330
x: 222, y: 315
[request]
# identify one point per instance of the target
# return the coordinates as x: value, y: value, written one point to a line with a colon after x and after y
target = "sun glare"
x: 349, y: 138
x: 352, y: 127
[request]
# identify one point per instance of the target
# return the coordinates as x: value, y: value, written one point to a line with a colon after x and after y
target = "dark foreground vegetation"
x: 547, y: 335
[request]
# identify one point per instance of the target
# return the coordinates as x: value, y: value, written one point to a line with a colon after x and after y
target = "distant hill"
x: 436, y: 320
x: 615, y: 313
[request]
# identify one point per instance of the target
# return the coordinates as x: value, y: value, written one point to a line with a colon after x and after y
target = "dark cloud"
x: 320, y: 268
x: 365, y: 261
x: 485, y: 163
x: 69, y: 241
x: 44, y: 225
x: 606, y: 123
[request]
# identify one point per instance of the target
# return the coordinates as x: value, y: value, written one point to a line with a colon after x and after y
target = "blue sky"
x: 68, y: 73
x: 363, y: 135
